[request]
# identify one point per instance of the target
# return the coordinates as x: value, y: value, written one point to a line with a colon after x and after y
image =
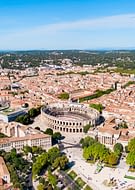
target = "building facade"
x: 41, y: 140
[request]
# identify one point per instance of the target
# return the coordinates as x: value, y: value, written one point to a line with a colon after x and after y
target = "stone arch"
x: 81, y: 130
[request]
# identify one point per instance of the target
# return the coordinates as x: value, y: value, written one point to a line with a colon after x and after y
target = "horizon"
x: 73, y: 24
x: 98, y: 49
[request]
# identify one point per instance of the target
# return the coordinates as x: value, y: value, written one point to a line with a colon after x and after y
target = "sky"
x: 67, y: 24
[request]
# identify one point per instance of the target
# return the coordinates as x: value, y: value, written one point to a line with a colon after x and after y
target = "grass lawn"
x: 87, y: 188
x: 129, y: 177
x: 80, y: 182
x: 72, y: 174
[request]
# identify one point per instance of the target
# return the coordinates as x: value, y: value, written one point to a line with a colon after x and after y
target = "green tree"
x: 112, y: 159
x: 98, y: 107
x: 49, y: 131
x: 37, y: 150
x: 52, y: 179
x: 87, y: 153
x: 60, y: 162
x: 87, y: 141
x: 64, y: 96
x: 24, y: 119
x: 32, y: 112
x: 86, y: 128
x: 27, y: 149
x: 104, y: 153
x: 57, y: 136
x: 118, y: 148
x: 53, y: 153
x: 40, y: 187
x: 40, y: 164
x: 131, y: 145
x: 131, y: 159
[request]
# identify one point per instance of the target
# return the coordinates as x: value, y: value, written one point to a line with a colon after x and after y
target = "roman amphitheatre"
x: 69, y: 117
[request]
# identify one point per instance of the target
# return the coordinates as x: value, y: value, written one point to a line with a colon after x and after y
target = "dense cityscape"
x: 59, y: 118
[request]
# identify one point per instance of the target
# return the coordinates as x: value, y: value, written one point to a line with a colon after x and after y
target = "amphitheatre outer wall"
x: 69, y: 117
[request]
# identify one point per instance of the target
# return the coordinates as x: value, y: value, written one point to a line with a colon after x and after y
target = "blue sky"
x: 67, y: 24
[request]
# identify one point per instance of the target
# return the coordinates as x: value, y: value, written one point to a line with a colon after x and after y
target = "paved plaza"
x: 86, y: 170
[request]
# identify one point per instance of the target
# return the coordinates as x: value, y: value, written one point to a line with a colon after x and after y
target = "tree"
x: 98, y: 107
x: 64, y: 96
x: 104, y: 153
x: 112, y: 159
x: 87, y: 153
x: 40, y: 187
x: 87, y: 141
x: 52, y: 179
x: 32, y: 112
x: 27, y: 149
x: 37, y: 150
x: 94, y: 150
x: 57, y: 136
x: 60, y: 162
x: 53, y: 153
x: 86, y: 128
x: 49, y: 131
x: 42, y: 180
x: 131, y: 159
x: 24, y: 119
x: 40, y: 164
x: 131, y: 145
x: 118, y: 148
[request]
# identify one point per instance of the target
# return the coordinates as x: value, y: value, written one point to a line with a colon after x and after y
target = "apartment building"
x: 42, y: 140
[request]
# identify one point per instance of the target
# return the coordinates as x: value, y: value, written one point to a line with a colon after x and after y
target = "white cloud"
x: 43, y: 33
x: 109, y: 22
x: 117, y: 21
